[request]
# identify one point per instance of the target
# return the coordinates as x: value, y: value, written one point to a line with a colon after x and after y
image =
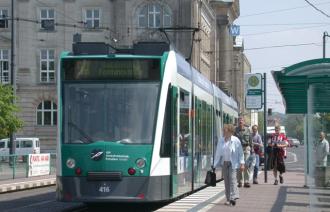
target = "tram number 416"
x: 104, y: 189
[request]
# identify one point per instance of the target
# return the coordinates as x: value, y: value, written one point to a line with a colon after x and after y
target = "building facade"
x: 44, y: 28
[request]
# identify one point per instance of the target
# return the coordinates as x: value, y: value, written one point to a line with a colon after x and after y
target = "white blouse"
x: 226, y: 151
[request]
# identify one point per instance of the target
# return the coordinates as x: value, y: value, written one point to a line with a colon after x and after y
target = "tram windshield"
x: 112, y: 112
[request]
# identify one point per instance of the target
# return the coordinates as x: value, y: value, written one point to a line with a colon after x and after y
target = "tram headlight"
x: 140, y: 163
x: 70, y: 163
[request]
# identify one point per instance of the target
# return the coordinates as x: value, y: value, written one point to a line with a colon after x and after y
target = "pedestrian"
x: 322, y: 151
x: 243, y: 133
x: 258, y: 149
x: 276, y: 150
x: 229, y: 155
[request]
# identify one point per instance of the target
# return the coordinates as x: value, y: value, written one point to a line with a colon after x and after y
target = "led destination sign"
x: 107, y: 69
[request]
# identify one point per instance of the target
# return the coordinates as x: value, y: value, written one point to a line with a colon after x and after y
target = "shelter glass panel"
x: 317, y: 140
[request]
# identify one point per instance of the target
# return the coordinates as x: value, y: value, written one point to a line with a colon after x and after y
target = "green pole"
x: 27, y: 166
x: 14, y: 166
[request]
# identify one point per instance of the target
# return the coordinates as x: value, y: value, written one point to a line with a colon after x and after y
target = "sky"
x: 268, y: 23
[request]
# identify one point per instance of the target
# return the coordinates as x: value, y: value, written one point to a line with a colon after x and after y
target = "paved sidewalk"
x: 290, y: 196
x: 26, y: 183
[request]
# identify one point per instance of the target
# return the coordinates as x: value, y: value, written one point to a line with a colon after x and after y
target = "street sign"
x: 234, y: 30
x: 253, y: 91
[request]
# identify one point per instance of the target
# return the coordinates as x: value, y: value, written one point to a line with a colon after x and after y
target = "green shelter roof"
x: 294, y: 82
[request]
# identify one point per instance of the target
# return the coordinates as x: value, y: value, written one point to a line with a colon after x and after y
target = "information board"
x: 253, y: 91
x: 39, y: 164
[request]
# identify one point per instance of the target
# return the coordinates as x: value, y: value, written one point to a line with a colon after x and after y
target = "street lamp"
x: 325, y: 34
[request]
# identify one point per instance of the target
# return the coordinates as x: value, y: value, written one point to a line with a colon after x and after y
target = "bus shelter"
x: 305, y: 89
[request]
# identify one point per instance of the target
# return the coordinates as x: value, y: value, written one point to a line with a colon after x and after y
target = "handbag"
x: 211, y: 179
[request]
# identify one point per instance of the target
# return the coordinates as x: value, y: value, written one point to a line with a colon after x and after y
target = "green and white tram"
x: 135, y: 125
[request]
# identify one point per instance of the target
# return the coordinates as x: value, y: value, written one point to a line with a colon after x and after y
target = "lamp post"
x: 325, y: 34
x: 12, y: 149
x: 0, y: 71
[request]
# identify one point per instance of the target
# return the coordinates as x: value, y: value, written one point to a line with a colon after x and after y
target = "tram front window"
x: 123, y: 113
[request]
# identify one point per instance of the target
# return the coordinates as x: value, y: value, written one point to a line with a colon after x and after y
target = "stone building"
x: 44, y: 28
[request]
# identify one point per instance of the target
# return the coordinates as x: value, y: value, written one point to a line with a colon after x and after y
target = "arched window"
x: 155, y: 15
x: 47, y: 113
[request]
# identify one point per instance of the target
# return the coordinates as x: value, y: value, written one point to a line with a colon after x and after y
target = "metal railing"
x: 17, y: 166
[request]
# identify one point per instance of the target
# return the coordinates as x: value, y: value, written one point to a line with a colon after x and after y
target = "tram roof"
x: 305, y: 84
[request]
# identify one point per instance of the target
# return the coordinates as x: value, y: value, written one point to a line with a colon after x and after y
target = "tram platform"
x: 18, y: 184
x: 291, y: 196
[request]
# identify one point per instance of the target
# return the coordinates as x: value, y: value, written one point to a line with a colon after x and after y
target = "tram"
x: 135, y: 125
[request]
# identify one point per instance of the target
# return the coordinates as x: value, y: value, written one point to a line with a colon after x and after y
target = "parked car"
x: 24, y: 146
x: 293, y: 142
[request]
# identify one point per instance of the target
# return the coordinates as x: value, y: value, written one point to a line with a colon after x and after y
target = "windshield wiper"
x: 81, y: 132
x: 124, y: 141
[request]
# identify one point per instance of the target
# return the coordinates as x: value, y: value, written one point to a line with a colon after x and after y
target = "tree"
x: 325, y: 122
x: 261, y: 122
x: 9, y: 122
x: 294, y: 125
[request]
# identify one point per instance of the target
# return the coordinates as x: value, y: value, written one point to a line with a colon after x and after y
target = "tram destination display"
x: 107, y: 69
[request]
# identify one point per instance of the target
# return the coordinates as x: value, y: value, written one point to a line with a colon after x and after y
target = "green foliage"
x: 325, y: 122
x: 9, y: 122
x: 294, y: 126
x: 261, y: 122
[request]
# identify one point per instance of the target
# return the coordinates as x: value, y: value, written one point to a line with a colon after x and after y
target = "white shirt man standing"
x: 322, y: 151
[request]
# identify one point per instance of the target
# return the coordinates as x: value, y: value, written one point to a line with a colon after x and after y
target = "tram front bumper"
x: 129, y: 189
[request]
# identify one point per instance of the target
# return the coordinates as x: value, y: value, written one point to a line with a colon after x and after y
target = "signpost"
x: 253, y: 91
x: 255, y: 88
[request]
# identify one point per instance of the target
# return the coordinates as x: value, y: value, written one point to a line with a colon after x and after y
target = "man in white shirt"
x: 322, y: 151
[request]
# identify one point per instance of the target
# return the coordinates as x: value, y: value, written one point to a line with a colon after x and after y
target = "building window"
x: 92, y: 18
x: 47, y: 65
x: 4, y: 66
x: 154, y: 16
x: 47, y: 113
x: 3, y: 18
x: 47, y: 19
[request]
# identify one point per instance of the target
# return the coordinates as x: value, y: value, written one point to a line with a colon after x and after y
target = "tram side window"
x: 209, y: 129
x: 204, y: 128
x: 198, y: 108
x: 216, y: 127
x: 226, y: 118
x: 184, y: 123
x: 165, y: 148
x: 206, y: 125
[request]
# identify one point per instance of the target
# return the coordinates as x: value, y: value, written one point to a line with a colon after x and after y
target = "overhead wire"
x: 282, y: 24
x: 317, y: 9
x: 280, y: 46
x: 284, y: 30
x: 75, y: 20
x: 280, y: 10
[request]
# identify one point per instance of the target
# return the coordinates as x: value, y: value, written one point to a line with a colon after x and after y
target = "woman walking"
x: 230, y: 156
x: 277, y: 152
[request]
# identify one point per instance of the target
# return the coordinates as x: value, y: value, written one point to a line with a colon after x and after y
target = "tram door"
x: 174, y: 139
x: 197, y: 143
x: 184, y: 153
x: 181, y: 154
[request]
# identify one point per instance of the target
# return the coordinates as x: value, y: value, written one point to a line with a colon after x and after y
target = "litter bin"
x: 320, y: 176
